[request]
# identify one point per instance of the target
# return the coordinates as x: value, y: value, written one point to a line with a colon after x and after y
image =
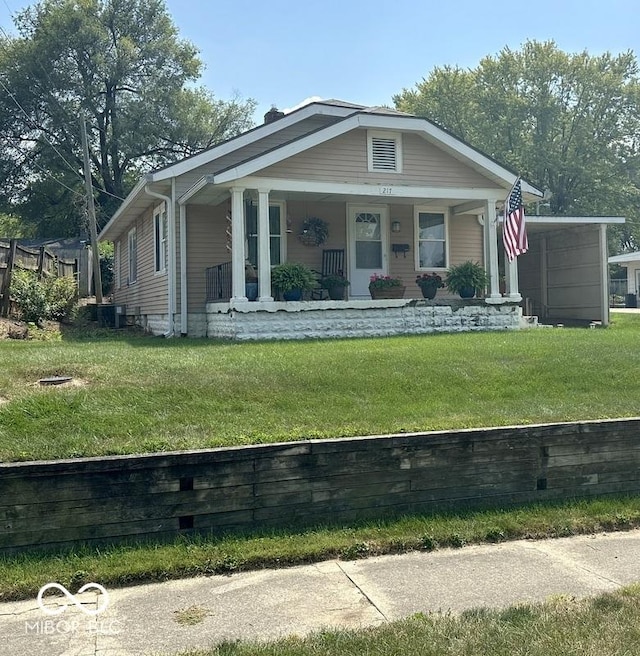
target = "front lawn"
x: 133, y: 394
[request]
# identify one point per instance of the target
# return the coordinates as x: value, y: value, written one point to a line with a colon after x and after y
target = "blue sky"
x: 280, y: 52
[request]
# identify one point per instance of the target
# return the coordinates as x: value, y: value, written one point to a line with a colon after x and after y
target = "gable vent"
x: 384, y: 154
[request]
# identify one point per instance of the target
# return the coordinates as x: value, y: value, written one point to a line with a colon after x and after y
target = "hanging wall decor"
x: 314, y: 232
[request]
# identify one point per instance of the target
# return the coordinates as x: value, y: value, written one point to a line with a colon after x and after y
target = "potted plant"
x: 335, y: 284
x: 466, y: 279
x: 385, y: 287
x: 250, y: 282
x: 292, y: 279
x: 314, y: 232
x: 429, y: 284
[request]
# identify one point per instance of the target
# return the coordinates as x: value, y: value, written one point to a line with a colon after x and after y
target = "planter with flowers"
x: 429, y: 284
x: 385, y: 287
x: 335, y: 284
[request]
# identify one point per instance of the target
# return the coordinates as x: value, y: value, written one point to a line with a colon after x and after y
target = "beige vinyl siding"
x: 567, y: 264
x: 149, y: 291
x: 402, y: 265
x: 333, y: 213
x: 206, y: 247
x: 465, y: 239
x: 574, y: 286
x: 344, y: 159
x: 187, y: 180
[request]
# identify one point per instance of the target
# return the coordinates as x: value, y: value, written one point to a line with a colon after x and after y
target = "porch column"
x: 238, y: 292
x: 264, y: 247
x: 511, y: 278
x: 491, y: 249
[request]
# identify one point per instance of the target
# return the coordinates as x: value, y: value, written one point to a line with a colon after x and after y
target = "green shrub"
x: 61, y: 294
x: 53, y: 298
x: 29, y: 295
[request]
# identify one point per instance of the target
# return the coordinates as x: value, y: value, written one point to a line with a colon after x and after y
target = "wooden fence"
x: 97, y: 500
x: 42, y: 261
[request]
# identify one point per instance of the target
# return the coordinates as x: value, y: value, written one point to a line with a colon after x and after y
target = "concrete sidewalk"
x: 153, y: 619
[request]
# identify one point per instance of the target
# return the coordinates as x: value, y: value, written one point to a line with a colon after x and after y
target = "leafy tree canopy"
x: 569, y: 123
x: 120, y: 64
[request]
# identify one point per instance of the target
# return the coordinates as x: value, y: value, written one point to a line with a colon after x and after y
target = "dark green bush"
x: 61, y: 294
x: 29, y: 295
x: 52, y: 298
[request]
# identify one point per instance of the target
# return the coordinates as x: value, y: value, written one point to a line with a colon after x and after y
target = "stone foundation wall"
x: 326, y: 319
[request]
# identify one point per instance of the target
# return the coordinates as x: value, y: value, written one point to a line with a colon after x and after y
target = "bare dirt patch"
x: 12, y: 329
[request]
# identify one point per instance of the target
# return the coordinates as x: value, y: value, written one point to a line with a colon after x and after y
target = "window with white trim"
x: 384, y: 152
x: 117, y: 277
x: 133, y: 255
x: 431, y: 230
x: 160, y: 238
x: 277, y: 233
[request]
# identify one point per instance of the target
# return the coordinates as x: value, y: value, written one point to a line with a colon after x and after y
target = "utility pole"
x: 93, y: 231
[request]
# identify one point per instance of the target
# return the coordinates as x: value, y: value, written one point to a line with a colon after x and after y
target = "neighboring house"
x: 631, y: 262
x: 400, y: 196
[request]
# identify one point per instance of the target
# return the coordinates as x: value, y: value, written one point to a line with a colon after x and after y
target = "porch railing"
x: 219, y: 282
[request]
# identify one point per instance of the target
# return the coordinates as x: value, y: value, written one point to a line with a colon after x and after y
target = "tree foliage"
x: 120, y: 64
x: 569, y: 123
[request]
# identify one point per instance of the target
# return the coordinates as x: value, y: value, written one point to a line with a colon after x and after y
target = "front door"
x: 367, y: 247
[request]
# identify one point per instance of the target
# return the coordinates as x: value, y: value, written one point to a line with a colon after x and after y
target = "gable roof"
x: 300, y: 130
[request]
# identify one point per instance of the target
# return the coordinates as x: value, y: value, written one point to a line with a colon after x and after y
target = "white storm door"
x: 367, y: 247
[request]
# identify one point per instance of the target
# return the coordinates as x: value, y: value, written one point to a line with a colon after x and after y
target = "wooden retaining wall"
x: 96, y: 500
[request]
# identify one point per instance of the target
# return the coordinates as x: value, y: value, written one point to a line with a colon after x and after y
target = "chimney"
x: 272, y: 115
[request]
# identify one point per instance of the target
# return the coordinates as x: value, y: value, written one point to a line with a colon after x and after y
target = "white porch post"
x: 238, y: 292
x: 491, y: 249
x: 264, y: 247
x: 511, y: 276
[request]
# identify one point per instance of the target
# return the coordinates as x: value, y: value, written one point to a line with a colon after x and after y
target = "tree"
x: 568, y: 123
x: 120, y: 64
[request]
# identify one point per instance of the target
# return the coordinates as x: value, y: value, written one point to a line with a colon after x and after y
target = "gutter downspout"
x: 183, y: 270
x: 171, y: 283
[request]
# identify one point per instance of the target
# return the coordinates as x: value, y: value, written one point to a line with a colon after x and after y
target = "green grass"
x: 21, y: 576
x: 606, y: 625
x: 143, y: 394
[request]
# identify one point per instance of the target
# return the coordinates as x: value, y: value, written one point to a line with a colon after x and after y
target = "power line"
x: 34, y: 125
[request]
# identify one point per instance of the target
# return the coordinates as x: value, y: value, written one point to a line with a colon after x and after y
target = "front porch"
x: 244, y: 320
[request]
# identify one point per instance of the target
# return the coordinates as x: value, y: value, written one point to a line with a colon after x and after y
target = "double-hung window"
x: 160, y: 238
x: 431, y: 237
x: 133, y: 255
x: 277, y: 233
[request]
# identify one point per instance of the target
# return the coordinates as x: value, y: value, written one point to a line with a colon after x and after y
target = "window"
x: 431, y: 237
x: 133, y: 256
x: 276, y: 233
x: 160, y: 238
x: 116, y: 265
x: 384, y: 151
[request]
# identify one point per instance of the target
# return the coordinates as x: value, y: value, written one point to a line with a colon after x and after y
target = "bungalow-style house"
x: 399, y: 196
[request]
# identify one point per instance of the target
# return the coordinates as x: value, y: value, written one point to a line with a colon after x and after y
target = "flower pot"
x: 388, y: 292
x: 429, y: 291
x: 251, y: 290
x: 467, y: 292
x: 336, y: 293
x: 292, y: 295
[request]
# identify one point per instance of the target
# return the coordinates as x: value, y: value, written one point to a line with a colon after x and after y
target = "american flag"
x: 514, y: 230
